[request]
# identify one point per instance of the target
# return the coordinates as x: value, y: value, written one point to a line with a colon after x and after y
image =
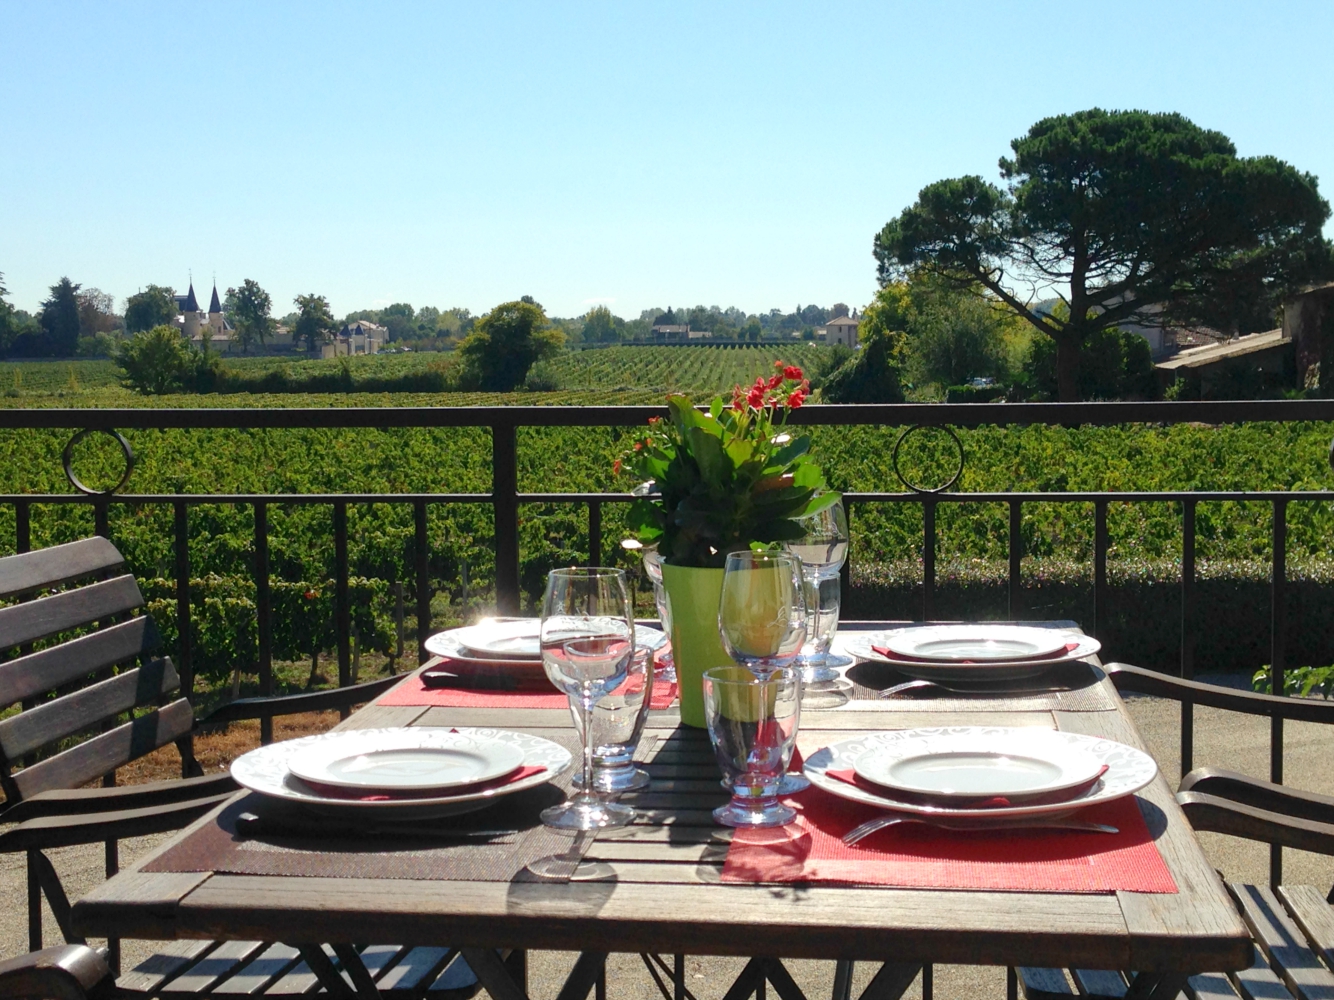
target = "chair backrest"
x: 68, y: 637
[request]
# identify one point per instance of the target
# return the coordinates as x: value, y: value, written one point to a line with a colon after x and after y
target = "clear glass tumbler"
x: 822, y: 550
x: 753, y: 724
x: 618, y: 721
x: 666, y: 666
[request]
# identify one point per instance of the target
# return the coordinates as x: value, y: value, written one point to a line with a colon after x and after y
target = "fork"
x: 880, y: 822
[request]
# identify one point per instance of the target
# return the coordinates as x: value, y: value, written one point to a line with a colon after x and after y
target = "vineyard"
x: 973, y: 539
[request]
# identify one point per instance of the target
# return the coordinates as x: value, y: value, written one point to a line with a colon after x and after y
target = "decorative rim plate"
x: 1128, y: 769
x: 976, y: 643
x: 414, y: 760
x: 502, y: 639
x: 449, y: 645
x: 265, y: 771
x: 966, y: 766
x: 859, y: 645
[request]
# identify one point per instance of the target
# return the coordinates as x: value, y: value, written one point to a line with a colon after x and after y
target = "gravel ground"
x: 1222, y: 739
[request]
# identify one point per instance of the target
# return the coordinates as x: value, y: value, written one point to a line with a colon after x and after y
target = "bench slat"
x: 1259, y: 982
x: 48, y: 669
x: 458, y: 979
x: 56, y: 565
x: 1044, y: 984
x: 418, y: 966
x: 1307, y: 905
x: 275, y: 960
x: 46, y: 616
x: 224, y: 960
x: 1210, y: 986
x: 103, y: 754
x: 1282, y: 942
x: 165, y: 962
x: 1100, y: 984
x: 75, y: 712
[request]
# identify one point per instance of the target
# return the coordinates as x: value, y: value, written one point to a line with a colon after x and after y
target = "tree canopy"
x: 154, y: 306
x: 1130, y: 217
x: 504, y: 344
x: 250, y: 309
x: 314, y: 325
x: 59, y: 319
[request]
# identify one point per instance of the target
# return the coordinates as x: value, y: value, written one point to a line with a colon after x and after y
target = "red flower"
x: 309, y: 595
x: 738, y: 401
x: 778, y: 364
x: 616, y: 467
x: 775, y: 382
x: 756, y: 397
x: 639, y: 446
x: 792, y: 372
x: 796, y: 399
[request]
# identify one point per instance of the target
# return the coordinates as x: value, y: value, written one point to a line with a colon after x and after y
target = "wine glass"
x: 822, y: 550
x: 762, y: 614
x: 762, y: 621
x: 665, y: 664
x: 588, y: 640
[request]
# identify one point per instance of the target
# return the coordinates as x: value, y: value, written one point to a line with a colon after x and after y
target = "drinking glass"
x: 617, y: 722
x: 666, y: 666
x: 822, y: 551
x: 588, y: 643
x: 753, y: 726
x: 762, y: 614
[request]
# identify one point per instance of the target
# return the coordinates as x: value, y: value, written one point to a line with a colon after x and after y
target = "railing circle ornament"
x: 67, y: 458
x: 913, y: 487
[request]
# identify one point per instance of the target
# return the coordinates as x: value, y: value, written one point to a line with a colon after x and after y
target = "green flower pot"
x: 693, y: 595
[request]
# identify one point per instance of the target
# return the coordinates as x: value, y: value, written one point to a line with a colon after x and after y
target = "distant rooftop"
x: 1197, y: 357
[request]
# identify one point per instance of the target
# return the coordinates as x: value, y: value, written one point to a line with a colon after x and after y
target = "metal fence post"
x: 505, y: 501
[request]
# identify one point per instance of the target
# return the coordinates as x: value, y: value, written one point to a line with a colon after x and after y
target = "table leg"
x: 892, y: 981
x: 842, y: 980
x: 496, y: 976
x: 324, y: 971
x: 1155, y: 985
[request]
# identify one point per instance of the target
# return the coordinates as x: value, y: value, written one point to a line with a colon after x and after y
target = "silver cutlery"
x: 880, y: 822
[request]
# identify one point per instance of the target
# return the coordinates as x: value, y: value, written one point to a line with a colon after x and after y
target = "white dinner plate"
x: 461, y: 644
x: 413, y: 760
x: 860, y: 645
x: 978, y: 643
x: 266, y: 771
x: 1128, y: 769
x: 504, y: 639
x: 1024, y: 765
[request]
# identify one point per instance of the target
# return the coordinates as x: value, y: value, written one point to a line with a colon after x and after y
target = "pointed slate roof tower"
x: 191, y: 303
x: 215, y: 306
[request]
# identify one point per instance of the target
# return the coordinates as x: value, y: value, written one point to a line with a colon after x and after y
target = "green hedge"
x: 1232, y: 602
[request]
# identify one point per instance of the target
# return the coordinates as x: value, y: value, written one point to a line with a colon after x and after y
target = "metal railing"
x: 506, y: 500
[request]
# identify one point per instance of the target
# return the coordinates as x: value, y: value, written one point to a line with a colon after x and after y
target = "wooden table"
x: 667, y: 897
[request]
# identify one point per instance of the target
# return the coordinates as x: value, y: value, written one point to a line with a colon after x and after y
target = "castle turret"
x: 215, y: 314
x: 191, y: 315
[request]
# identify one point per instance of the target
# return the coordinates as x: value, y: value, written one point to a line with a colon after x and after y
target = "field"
x: 1146, y: 538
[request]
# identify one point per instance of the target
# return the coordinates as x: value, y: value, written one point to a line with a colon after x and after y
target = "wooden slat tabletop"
x: 664, y: 892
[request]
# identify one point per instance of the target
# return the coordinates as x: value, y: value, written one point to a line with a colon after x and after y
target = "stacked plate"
x: 980, y: 772
x: 415, y: 773
x: 978, y: 653
x: 509, y: 647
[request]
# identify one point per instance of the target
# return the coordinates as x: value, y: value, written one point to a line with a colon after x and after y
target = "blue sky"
x: 629, y: 153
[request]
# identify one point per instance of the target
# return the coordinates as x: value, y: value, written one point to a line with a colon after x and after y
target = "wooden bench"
x: 1293, y: 926
x: 80, y: 657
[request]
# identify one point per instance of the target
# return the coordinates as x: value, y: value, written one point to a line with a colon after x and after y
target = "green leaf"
x: 821, y: 501
x: 714, y: 465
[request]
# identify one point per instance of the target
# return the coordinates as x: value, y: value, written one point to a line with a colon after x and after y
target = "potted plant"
x: 719, y: 480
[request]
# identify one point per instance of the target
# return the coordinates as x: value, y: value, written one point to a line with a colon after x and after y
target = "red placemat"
x: 913, y: 855
x: 413, y: 692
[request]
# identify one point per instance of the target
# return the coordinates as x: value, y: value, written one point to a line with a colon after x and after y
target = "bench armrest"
x: 80, y: 801
x: 1261, y: 794
x: 69, y: 972
x: 93, y: 828
x: 291, y: 704
x: 1220, y: 815
x: 1131, y: 678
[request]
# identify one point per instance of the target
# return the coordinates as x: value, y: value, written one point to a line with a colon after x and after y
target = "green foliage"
x: 1298, y: 682
x: 724, y: 479
x: 314, y: 325
x: 601, y: 327
x: 1113, y: 364
x: 159, y: 361
x: 1132, y: 212
x: 542, y: 377
x: 59, y: 320
x: 249, y: 308
x: 154, y: 306
x: 504, y: 344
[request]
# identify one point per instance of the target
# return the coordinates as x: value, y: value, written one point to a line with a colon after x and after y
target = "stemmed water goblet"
x: 822, y: 550
x: 762, y: 621
x: 588, y: 641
